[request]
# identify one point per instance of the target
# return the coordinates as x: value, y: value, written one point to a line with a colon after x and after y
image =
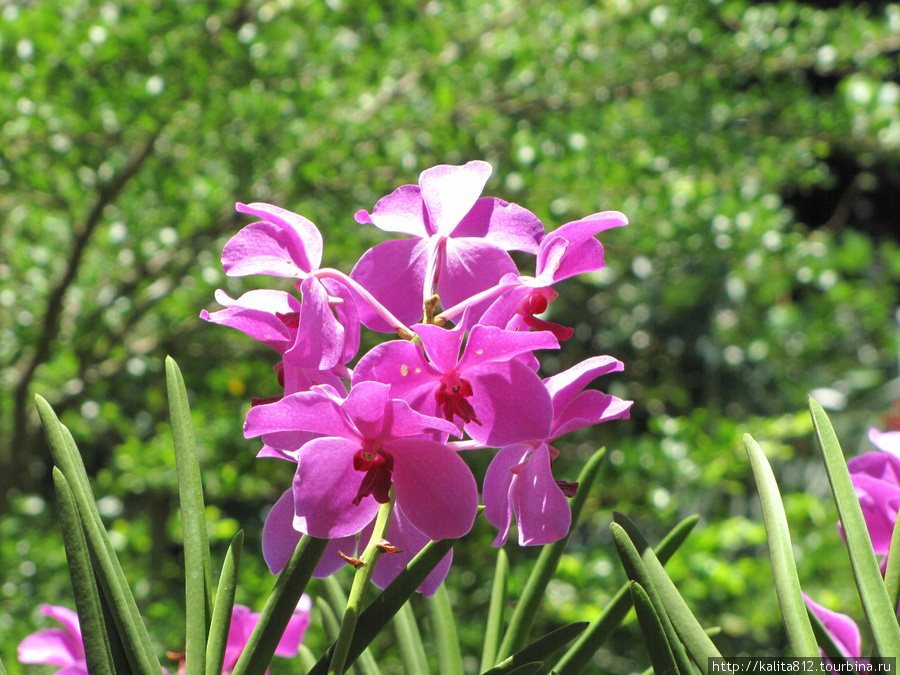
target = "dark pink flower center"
x: 536, y: 303
x: 451, y: 396
x: 378, y: 465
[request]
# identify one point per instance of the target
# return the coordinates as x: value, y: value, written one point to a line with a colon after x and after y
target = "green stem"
x: 360, y: 582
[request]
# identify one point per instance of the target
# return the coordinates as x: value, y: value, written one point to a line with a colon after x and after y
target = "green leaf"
x: 638, y: 571
x: 494, y: 628
x: 784, y: 569
x: 122, y: 606
x: 84, y: 586
x: 539, y: 650
x: 197, y: 576
x: 689, y: 630
x: 410, y: 641
x: 545, y: 567
x: 661, y: 658
x: 280, y: 606
x: 387, y: 603
x: 330, y: 623
x: 220, y: 622
x: 872, y: 593
x: 892, y: 573
x: 579, y: 655
x: 443, y: 627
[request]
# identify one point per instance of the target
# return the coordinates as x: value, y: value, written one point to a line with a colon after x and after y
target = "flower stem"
x: 382, y: 311
x: 360, y: 582
x: 459, y: 308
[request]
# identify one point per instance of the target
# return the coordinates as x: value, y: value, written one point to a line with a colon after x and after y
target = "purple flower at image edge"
x: 56, y: 646
x: 842, y: 628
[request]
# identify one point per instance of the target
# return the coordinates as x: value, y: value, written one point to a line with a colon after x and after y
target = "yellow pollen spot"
x: 369, y: 456
x: 479, y: 352
x: 404, y: 370
x: 418, y: 370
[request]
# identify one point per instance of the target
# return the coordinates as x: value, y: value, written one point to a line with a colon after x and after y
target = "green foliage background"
x: 754, y: 147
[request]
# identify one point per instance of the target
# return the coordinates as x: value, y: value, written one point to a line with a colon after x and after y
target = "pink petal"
x: 319, y: 342
x: 471, y: 266
x: 441, y: 345
x: 542, y: 510
x: 255, y: 314
x: 564, y: 386
x: 512, y: 404
x: 488, y: 344
x: 393, y: 272
x: 52, y: 646
x: 588, y: 408
x: 308, y: 411
x: 572, y: 249
x: 507, y: 226
x: 409, y: 541
x: 307, y: 235
x: 289, y: 645
x: 264, y: 248
x: 880, y: 501
x: 279, y: 538
x: 331, y: 560
x: 348, y: 316
x: 887, y: 441
x: 400, y: 364
x: 449, y: 192
x: 497, y: 505
x: 365, y: 405
x: 842, y: 628
x: 434, y: 487
x: 401, y: 211
x: 324, y: 488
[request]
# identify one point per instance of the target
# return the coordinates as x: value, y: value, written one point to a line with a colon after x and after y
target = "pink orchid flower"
x: 56, y: 646
x: 459, y: 245
x: 369, y: 443
x: 496, y: 398
x: 842, y: 628
x: 243, y: 621
x: 876, y: 479
x: 569, y: 250
x: 520, y: 480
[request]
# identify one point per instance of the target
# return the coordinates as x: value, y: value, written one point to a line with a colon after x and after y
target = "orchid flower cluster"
x: 876, y: 481
x: 460, y: 376
x: 64, y: 646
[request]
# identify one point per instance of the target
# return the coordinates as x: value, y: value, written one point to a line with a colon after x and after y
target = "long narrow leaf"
x: 338, y: 600
x: 330, y: 623
x: 637, y: 570
x: 84, y: 586
x: 661, y: 658
x: 784, y: 569
x: 280, y: 607
x: 698, y: 644
x: 579, y: 655
x: 545, y: 567
x: 410, y: 641
x: 197, y: 577
x: 540, y: 650
x: 129, y: 624
x: 494, y: 628
x: 387, y: 603
x: 444, y: 628
x: 220, y: 622
x: 872, y: 593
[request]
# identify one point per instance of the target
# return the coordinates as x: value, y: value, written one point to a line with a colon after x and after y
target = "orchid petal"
x: 365, y: 405
x: 441, y: 345
x: 449, y: 192
x: 324, y: 488
x: 886, y: 441
x: 497, y: 505
x: 542, y: 510
x: 394, y: 273
x: 841, y: 627
x: 289, y: 645
x: 52, y: 646
x: 409, y: 541
x: 401, y: 211
x: 302, y: 229
x: 304, y: 411
x: 507, y: 226
x: 319, y: 342
x: 471, y: 266
x: 512, y: 404
x: 488, y: 344
x: 572, y: 249
x: 279, y: 538
x: 434, y: 487
x: 588, y: 408
x: 564, y: 386
x: 255, y: 314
